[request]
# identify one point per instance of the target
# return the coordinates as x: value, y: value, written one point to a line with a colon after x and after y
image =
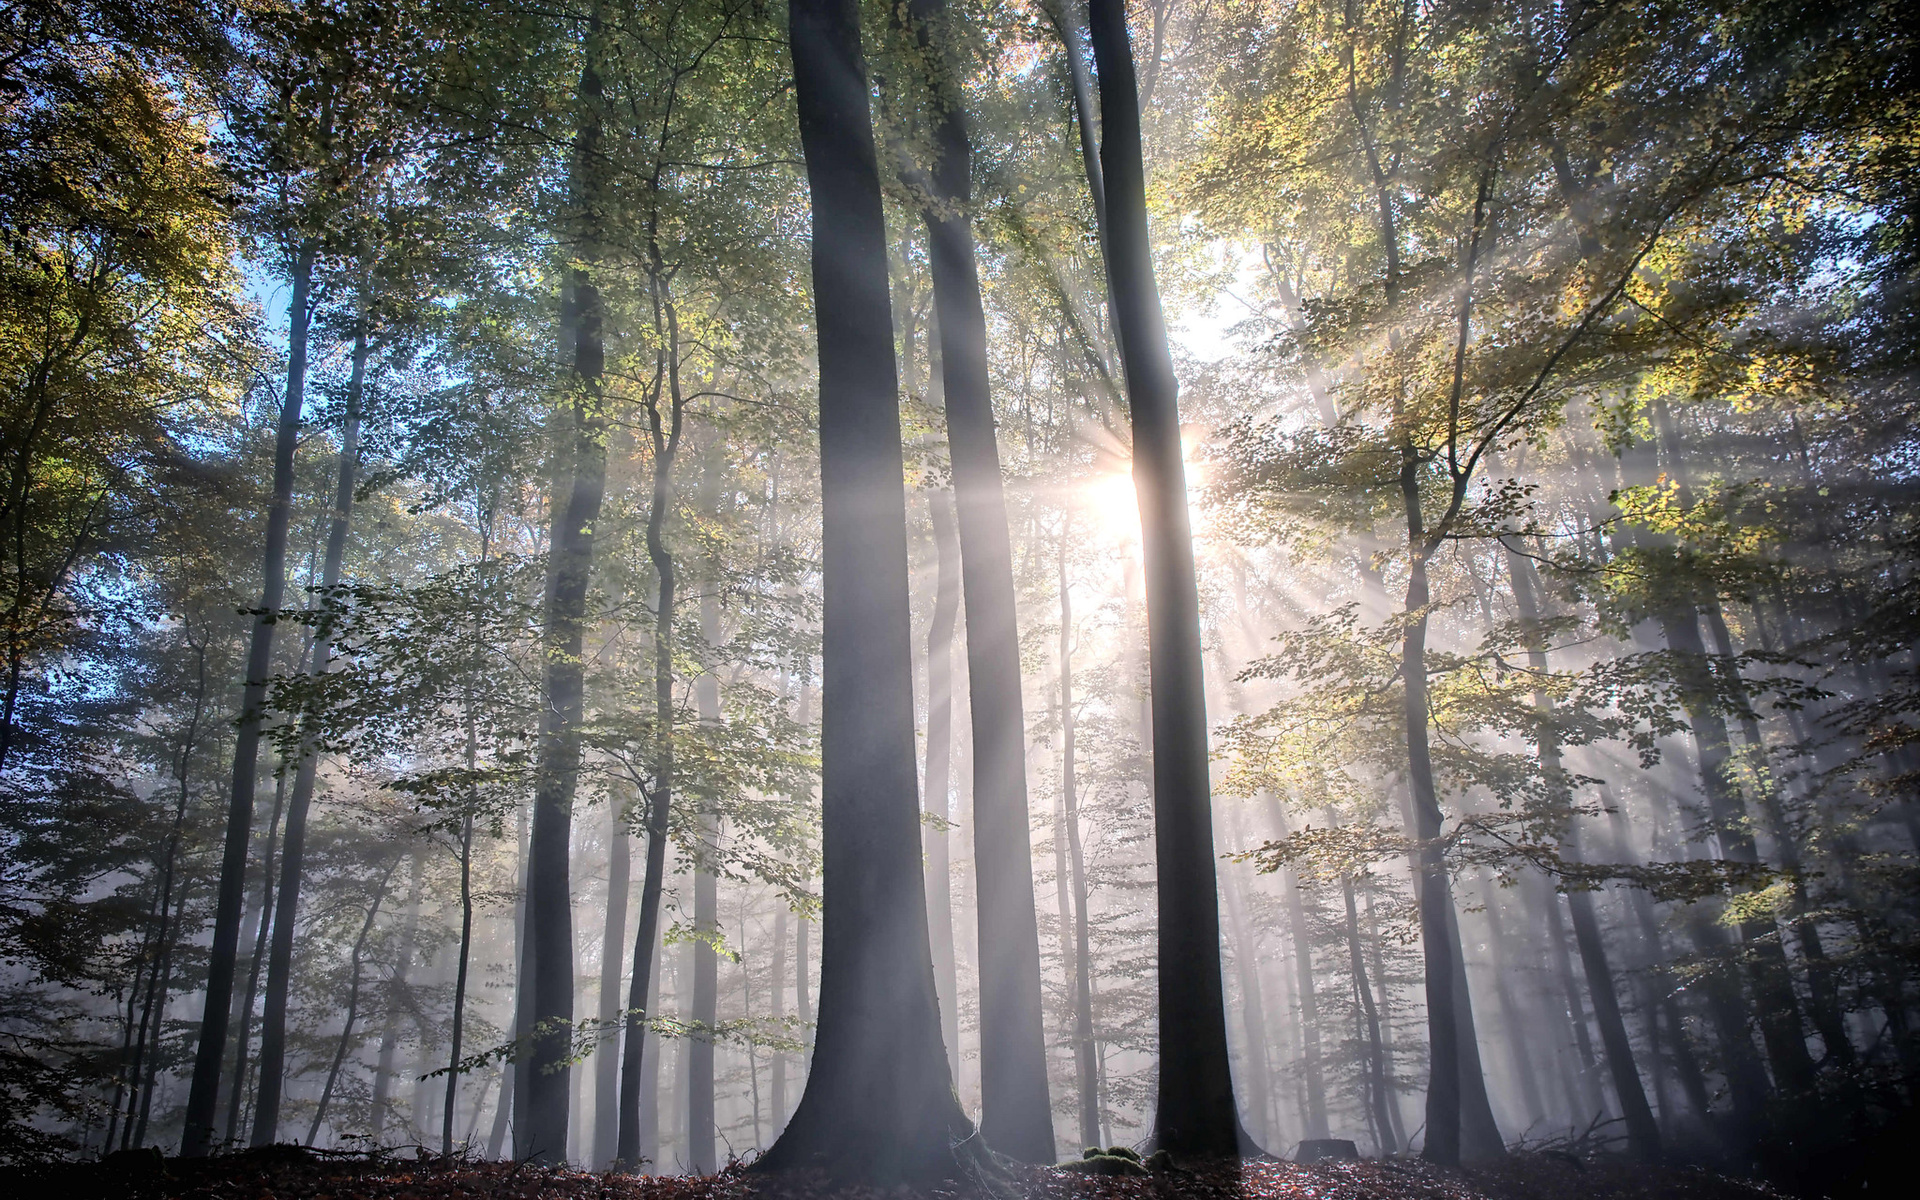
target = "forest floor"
x: 291, y: 1173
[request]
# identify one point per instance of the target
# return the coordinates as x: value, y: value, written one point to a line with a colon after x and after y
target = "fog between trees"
x: 653, y: 584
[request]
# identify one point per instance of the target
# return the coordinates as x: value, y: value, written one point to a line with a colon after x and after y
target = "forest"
x: 913, y: 590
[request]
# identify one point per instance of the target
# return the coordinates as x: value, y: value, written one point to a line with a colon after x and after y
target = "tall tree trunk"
x: 1195, y: 1114
x: 879, y: 1104
x: 1253, y: 1011
x: 606, y: 1104
x: 286, y: 910
x: 545, y: 1086
x: 1016, y: 1112
x: 946, y: 608
x: 353, y: 1003
x: 1085, y: 1050
x: 223, y: 955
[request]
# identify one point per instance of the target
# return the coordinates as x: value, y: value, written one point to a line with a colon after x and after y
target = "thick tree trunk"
x: 1195, y: 1114
x: 545, y: 1086
x: 223, y: 956
x: 1016, y: 1112
x: 286, y: 909
x: 879, y: 1104
x: 939, y: 799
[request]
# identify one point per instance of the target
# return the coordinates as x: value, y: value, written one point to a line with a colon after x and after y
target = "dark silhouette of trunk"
x: 606, y: 1062
x: 879, y: 1104
x: 1643, y: 1134
x: 223, y: 956
x: 545, y: 1085
x: 946, y: 608
x: 1195, y: 1115
x: 1085, y: 1049
x: 665, y: 425
x: 353, y: 1003
x: 1377, y: 1100
x: 286, y: 909
x: 1311, y: 1069
x: 706, y: 905
x: 1016, y: 1112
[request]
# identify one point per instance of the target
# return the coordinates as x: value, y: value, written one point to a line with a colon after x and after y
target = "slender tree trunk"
x: 223, y: 956
x: 1253, y: 1012
x: 1086, y: 1049
x: 1016, y: 1112
x: 353, y: 1004
x: 946, y: 608
x: 664, y: 427
x: 879, y: 1104
x: 1195, y: 1115
x: 286, y: 910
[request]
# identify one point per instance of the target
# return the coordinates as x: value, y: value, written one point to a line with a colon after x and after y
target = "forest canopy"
x: 893, y: 587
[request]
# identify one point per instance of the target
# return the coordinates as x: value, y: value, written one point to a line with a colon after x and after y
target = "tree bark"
x: 1195, y: 1114
x: 1016, y: 1111
x: 286, y: 909
x: 223, y: 955
x: 879, y: 1104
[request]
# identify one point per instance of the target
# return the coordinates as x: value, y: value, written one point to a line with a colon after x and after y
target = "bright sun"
x: 1109, y: 501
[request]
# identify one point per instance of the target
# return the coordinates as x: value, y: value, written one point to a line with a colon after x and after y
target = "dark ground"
x: 290, y: 1173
